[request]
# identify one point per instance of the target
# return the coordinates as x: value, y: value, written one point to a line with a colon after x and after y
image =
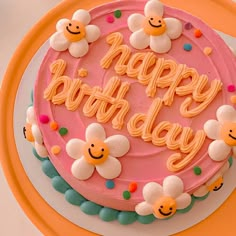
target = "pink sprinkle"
x: 110, y: 19
x: 231, y: 88
x: 188, y: 26
x: 44, y: 119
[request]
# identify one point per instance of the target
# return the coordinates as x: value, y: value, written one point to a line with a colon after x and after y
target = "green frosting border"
x: 91, y: 208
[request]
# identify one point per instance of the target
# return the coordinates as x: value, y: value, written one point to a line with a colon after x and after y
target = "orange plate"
x: 220, y: 14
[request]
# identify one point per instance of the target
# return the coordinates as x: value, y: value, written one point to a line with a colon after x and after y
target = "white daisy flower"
x: 33, y: 134
x: 151, y: 29
x: 98, y: 152
x: 75, y: 34
x: 163, y: 201
x: 214, y: 184
x: 223, y: 130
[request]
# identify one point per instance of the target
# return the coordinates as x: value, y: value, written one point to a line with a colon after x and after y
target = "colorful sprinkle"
x: 197, y: 170
x: 82, y: 72
x: 197, y: 33
x: 117, y: 14
x: 110, y: 19
x: 110, y: 184
x: 53, y: 125
x: 187, y: 47
x: 44, y: 119
x: 63, y: 131
x: 188, y: 26
x: 233, y: 99
x: 207, y: 51
x: 55, y: 149
x: 231, y: 88
x: 133, y: 187
x: 126, y: 195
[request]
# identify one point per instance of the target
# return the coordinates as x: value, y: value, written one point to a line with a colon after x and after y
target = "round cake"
x: 133, y: 110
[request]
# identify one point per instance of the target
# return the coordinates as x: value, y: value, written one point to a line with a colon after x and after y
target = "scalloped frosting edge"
x: 91, y: 208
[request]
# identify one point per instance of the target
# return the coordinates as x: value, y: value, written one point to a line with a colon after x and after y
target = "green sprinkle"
x: 197, y: 170
x: 63, y: 131
x: 117, y: 14
x: 126, y: 195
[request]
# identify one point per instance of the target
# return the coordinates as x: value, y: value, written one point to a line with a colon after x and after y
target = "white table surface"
x: 14, y: 24
x: 16, y: 18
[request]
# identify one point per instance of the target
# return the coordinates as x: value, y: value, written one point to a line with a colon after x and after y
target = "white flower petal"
x: 61, y: 23
x: 118, y: 145
x: 224, y: 168
x: 139, y: 39
x: 135, y: 22
x: 109, y: 169
x: 37, y: 134
x: 153, y: 7
x: 173, y: 186
x: 74, y: 148
x: 212, y: 129
x: 144, y: 209
x: 95, y: 131
x: 218, y: 150
x: 92, y: 33
x: 234, y: 150
x: 174, y: 27
x: 161, y: 43
x: 59, y: 42
x: 79, y: 49
x: 41, y: 150
x: 183, y: 201
x: 226, y: 113
x: 152, y: 191
x: 30, y: 118
x: 81, y: 169
x: 201, y: 191
x: 219, y: 174
x: 82, y: 15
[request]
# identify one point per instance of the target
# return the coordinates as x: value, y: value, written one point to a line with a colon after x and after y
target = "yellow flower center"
x: 228, y: 133
x: 74, y: 31
x: 164, y: 207
x: 215, y: 186
x: 154, y: 25
x: 95, y: 152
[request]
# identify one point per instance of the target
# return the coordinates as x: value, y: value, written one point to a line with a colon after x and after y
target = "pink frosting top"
x: 144, y: 162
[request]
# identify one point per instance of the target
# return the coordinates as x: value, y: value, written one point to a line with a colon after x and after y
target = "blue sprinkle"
x: 187, y: 47
x: 110, y: 184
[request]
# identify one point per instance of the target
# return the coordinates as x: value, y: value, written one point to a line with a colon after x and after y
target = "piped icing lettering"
x: 176, y: 136
x: 159, y: 73
x: 109, y: 104
x: 101, y: 103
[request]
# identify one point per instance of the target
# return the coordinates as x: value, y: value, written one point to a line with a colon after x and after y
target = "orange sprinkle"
x: 133, y: 187
x: 207, y: 51
x: 197, y: 33
x: 55, y: 149
x: 233, y: 99
x: 54, y: 125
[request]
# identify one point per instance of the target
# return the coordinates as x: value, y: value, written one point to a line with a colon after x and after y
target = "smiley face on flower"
x: 223, y: 130
x: 151, y: 29
x: 163, y: 201
x: 75, y: 34
x: 213, y: 184
x: 97, y: 152
x: 33, y: 134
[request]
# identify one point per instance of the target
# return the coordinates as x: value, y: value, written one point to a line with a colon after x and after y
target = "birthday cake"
x: 132, y: 113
